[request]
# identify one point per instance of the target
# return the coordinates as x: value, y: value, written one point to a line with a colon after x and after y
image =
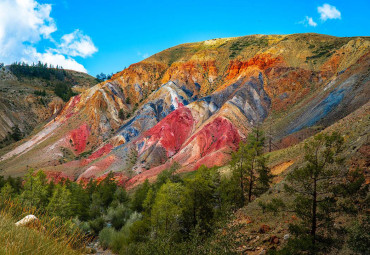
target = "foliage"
x: 56, y: 77
x: 167, y: 208
x: 64, y: 91
x: 321, y: 189
x: 40, y: 92
x: 103, y: 77
x: 249, y: 170
x: 35, y: 191
x: 60, y: 202
x: 50, y: 235
x: 121, y: 114
x: 274, y: 206
x: 359, y: 236
x: 15, y: 135
x: 39, y: 70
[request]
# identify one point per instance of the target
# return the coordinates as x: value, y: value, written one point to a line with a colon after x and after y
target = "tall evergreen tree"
x: 199, y: 200
x: 249, y: 167
x: 312, y: 187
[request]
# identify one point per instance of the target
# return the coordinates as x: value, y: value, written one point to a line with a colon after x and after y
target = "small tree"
x: 35, y: 189
x: 167, y: 208
x: 121, y: 114
x: 311, y: 185
x: 249, y: 167
x: 60, y: 202
x: 6, y: 192
x: 101, y: 77
x: 199, y: 200
x: 16, y: 133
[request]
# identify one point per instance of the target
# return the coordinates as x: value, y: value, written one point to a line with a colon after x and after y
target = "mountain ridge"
x: 123, y: 125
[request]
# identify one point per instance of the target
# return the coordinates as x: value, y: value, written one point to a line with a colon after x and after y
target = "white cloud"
x: 311, y: 22
x: 52, y: 58
x: 328, y: 11
x: 25, y: 23
x: 308, y: 21
x: 77, y: 44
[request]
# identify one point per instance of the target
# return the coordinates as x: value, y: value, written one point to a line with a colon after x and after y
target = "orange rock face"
x: 191, y: 73
x: 262, y: 62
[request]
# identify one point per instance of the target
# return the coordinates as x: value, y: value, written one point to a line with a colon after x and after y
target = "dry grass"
x: 51, y: 235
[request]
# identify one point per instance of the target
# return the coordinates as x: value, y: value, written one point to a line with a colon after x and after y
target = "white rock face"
x: 26, y: 220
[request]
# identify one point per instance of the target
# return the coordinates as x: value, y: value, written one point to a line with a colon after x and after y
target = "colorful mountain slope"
x: 194, y: 103
x: 28, y: 101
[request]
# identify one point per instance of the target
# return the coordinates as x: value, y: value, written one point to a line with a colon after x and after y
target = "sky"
x: 97, y: 36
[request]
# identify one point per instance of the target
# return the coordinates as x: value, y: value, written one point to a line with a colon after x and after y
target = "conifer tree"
x: 60, y: 202
x: 249, y: 167
x: 199, y: 200
x: 35, y: 191
x: 312, y: 187
x: 167, y: 208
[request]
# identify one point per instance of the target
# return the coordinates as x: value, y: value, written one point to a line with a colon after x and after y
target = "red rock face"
x: 215, y: 142
x: 217, y: 158
x: 208, y: 132
x: 56, y: 177
x: 214, y: 136
x: 150, y: 174
x: 101, y: 152
x: 287, y: 85
x: 68, y: 110
x: 171, y: 132
x: 97, y: 154
x: 78, y: 138
x: 97, y: 169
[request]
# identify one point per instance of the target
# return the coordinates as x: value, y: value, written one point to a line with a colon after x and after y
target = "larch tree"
x: 312, y: 187
x: 249, y: 167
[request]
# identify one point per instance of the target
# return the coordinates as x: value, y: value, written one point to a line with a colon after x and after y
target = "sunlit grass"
x: 51, y: 235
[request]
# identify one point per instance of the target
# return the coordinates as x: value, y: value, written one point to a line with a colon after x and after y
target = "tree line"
x: 56, y: 77
x: 38, y: 70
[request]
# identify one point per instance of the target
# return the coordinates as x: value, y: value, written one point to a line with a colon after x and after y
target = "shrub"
x: 106, y: 237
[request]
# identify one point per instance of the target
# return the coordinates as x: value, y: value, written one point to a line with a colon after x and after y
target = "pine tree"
x: 312, y: 186
x: 6, y: 191
x: 249, y: 168
x: 198, y: 200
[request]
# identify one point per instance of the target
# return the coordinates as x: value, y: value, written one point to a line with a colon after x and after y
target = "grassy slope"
x: 23, y: 240
x: 23, y: 108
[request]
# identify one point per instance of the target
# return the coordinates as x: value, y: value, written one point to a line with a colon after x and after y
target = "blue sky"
x: 108, y: 35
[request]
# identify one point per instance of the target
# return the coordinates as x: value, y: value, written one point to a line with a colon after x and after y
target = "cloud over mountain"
x: 328, y: 11
x: 25, y: 24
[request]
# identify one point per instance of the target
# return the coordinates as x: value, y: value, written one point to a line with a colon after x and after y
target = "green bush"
x: 106, y: 237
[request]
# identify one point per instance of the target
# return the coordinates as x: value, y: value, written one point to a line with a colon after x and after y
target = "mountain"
x: 195, y: 102
x: 28, y: 98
